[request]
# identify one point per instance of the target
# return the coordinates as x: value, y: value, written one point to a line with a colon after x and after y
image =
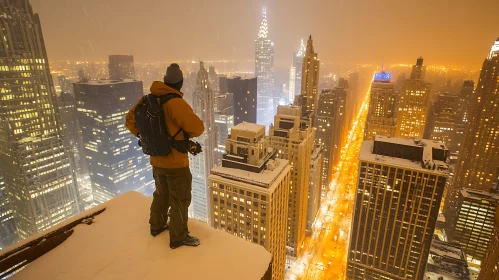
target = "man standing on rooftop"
x: 164, y: 123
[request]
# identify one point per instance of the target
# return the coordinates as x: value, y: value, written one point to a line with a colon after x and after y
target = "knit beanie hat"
x: 173, y: 74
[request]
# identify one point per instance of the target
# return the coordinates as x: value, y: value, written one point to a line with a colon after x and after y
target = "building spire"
x: 302, y: 50
x: 310, y: 45
x: 264, y: 29
x: 494, y: 51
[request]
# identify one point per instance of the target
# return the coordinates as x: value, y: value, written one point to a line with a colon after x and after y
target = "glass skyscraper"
x: 115, y: 161
x: 36, y: 164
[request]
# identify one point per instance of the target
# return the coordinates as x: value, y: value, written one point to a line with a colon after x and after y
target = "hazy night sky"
x: 442, y: 31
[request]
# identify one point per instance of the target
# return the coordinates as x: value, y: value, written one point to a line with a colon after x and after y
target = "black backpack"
x: 149, y: 115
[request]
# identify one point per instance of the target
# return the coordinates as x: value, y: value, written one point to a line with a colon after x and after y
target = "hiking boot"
x: 188, y: 241
x: 155, y: 232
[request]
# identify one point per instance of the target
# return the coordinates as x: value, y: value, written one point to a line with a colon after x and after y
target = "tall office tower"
x: 489, y: 270
x: 121, y: 67
x: 81, y: 76
x: 474, y: 225
x: 310, y: 81
x: 315, y: 185
x: 65, y: 84
x: 36, y: 165
x: 224, y: 124
x: 480, y: 152
x: 329, y: 121
x: 343, y: 83
x: 244, y: 92
x: 293, y: 137
x: 400, y: 186
x: 413, y: 105
x: 354, y: 100
x: 295, y: 73
x: 115, y: 161
x: 465, y: 99
x: 72, y: 135
x: 264, y: 72
x: 222, y: 84
x: 442, y: 120
x: 381, y: 118
x: 249, y: 193
x: 213, y: 79
x: 8, y: 233
x: 418, y: 70
x: 462, y: 115
x: 204, y: 106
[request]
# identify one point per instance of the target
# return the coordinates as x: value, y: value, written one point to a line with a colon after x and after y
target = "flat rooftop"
x: 479, y: 194
x: 264, y: 179
x: 366, y: 154
x: 411, y: 142
x: 446, y: 261
x: 251, y: 127
x: 118, y: 245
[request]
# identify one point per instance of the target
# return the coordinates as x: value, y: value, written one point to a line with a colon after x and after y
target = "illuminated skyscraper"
x: 381, y: 118
x: 489, y: 270
x: 293, y: 138
x: 413, y: 106
x: 442, y: 120
x: 121, y: 67
x: 204, y: 106
x: 264, y: 72
x: 8, y: 233
x: 474, y: 225
x: 330, y: 122
x: 399, y: 189
x: 224, y: 124
x: 310, y: 80
x: 295, y: 73
x: 480, y: 152
x: 213, y: 78
x: 465, y: 100
x: 36, y: 164
x: 249, y: 193
x: 115, y: 160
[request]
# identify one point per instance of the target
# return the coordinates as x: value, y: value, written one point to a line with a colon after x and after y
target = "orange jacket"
x: 178, y: 114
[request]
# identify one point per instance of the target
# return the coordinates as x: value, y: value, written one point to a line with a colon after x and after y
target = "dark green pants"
x: 173, y: 191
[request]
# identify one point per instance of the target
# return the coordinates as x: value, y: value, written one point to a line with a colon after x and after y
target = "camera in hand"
x: 194, y: 148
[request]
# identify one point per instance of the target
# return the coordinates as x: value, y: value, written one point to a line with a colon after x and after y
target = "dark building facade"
x: 115, y: 161
x: 121, y: 67
x: 399, y: 190
x: 244, y: 92
x: 330, y: 121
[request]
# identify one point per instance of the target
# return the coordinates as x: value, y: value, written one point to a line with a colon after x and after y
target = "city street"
x: 325, y: 255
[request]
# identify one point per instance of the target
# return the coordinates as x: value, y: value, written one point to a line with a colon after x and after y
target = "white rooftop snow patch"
x: 251, y: 127
x: 118, y: 245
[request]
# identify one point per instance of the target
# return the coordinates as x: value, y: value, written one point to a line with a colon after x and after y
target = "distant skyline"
x: 444, y: 32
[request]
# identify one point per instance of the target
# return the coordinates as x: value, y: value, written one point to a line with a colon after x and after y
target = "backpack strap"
x: 164, y: 99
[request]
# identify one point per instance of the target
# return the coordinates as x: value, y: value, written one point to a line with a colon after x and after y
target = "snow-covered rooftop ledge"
x: 118, y: 245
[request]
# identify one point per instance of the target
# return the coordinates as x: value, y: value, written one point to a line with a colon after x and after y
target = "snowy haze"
x: 363, y: 31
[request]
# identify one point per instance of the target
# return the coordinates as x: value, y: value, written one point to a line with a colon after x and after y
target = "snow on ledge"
x: 118, y: 245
